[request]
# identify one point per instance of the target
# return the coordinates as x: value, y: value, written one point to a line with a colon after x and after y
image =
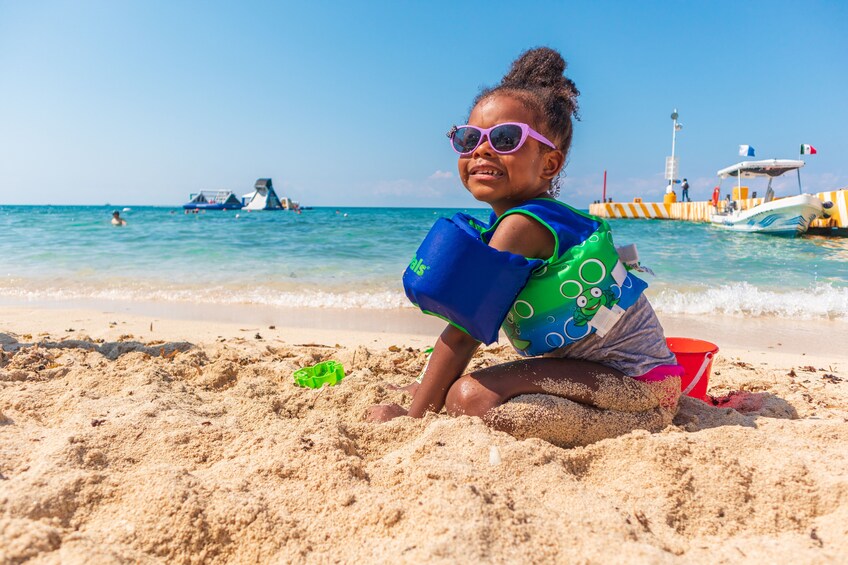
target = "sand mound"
x: 166, y: 452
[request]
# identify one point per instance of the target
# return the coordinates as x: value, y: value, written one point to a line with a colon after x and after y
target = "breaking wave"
x: 822, y: 301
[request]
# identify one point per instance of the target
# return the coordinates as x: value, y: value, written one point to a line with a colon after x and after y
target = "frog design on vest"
x: 583, y: 291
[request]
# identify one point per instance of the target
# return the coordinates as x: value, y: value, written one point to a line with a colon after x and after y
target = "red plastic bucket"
x: 696, y: 356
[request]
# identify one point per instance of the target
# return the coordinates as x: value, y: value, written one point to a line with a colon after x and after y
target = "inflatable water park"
x: 263, y: 197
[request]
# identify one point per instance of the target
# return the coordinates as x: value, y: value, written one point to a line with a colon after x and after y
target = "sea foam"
x: 821, y: 301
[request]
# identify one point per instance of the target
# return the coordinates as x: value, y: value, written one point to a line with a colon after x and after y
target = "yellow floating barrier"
x: 636, y: 209
x: 701, y: 211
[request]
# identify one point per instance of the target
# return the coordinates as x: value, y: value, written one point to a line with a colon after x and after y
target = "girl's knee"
x: 469, y: 397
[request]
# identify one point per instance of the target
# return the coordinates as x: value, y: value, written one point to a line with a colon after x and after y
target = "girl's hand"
x: 384, y: 412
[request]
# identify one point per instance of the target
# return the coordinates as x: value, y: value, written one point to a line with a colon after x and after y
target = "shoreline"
x: 733, y: 335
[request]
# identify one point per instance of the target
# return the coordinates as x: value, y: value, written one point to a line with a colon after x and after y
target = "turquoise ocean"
x: 354, y: 258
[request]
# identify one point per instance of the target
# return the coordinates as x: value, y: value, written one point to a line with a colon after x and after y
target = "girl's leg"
x: 563, y: 401
x: 584, y: 382
x: 569, y: 424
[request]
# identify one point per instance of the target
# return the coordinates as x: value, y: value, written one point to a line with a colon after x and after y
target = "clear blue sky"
x: 346, y: 103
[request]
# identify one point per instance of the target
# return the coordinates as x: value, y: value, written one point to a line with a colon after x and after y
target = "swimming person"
x: 595, y: 358
x: 117, y: 220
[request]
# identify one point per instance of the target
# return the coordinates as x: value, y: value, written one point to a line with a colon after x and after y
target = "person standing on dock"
x: 684, y: 191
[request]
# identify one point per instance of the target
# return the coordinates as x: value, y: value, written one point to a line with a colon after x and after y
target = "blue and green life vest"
x: 542, y: 305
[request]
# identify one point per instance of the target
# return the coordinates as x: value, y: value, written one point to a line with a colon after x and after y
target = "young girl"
x: 511, y: 153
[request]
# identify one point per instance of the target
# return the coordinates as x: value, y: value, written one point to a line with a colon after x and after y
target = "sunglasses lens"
x: 465, y: 139
x: 505, y: 138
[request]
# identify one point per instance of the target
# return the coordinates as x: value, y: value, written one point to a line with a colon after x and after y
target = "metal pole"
x: 673, y: 136
x: 673, y: 140
x: 739, y: 188
x: 605, y: 187
x: 673, y: 173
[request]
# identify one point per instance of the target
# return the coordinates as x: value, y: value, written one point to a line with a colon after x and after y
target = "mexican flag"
x: 808, y: 150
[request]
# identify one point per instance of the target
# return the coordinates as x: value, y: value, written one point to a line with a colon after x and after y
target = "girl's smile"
x: 485, y: 170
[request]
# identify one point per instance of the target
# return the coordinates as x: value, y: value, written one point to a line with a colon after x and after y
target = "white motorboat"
x: 790, y: 215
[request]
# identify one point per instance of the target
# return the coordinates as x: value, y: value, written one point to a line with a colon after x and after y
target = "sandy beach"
x: 198, y: 201
x: 154, y: 438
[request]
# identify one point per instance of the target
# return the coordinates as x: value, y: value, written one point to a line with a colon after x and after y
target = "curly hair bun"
x: 536, y: 67
x: 542, y: 67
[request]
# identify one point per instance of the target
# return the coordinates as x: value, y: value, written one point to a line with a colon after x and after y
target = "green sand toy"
x: 316, y: 376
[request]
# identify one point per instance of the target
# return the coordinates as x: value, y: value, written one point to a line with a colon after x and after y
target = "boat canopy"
x: 765, y: 168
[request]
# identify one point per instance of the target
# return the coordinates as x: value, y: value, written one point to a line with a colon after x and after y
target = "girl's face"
x: 505, y: 181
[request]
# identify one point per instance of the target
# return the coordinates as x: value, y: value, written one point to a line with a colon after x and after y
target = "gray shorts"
x: 635, y: 344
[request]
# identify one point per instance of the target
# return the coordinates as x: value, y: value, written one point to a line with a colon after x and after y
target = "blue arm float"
x: 456, y: 276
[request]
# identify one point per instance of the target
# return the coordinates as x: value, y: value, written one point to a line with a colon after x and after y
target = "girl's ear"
x: 554, y: 161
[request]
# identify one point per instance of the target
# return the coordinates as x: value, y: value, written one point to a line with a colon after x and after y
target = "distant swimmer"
x: 117, y: 220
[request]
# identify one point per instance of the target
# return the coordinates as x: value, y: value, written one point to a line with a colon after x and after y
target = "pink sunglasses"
x: 503, y: 138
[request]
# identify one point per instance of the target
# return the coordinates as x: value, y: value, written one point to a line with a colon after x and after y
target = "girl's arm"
x: 451, y: 354
x: 522, y: 235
